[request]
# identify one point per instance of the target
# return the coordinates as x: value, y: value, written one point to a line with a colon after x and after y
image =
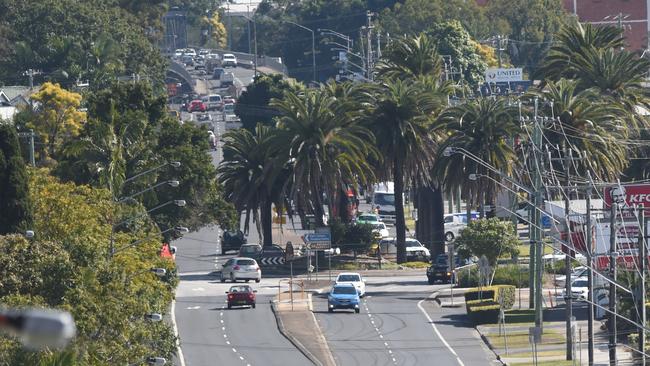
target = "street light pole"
x: 313, y: 47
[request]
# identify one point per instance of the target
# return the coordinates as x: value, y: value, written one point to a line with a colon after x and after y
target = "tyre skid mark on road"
x: 378, y: 331
x: 225, y: 334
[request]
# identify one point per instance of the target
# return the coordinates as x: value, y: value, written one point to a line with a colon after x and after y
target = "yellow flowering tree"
x: 219, y: 33
x: 56, y: 116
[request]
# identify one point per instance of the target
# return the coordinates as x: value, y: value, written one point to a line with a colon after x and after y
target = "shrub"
x: 483, y: 304
x: 484, y: 314
x: 510, y: 274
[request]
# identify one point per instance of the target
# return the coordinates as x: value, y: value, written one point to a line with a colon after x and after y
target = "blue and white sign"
x: 318, y: 241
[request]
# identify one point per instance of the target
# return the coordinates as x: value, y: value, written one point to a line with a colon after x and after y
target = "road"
x: 392, y: 328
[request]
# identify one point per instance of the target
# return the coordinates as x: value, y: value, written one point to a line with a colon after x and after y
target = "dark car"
x: 439, y: 273
x: 242, y: 295
x: 232, y: 240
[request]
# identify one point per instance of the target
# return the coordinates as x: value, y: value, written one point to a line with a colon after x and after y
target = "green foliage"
x: 65, y: 266
x: 73, y: 40
x: 490, y: 238
x: 510, y: 274
x: 453, y: 40
x: 356, y: 238
x: 253, y: 104
x: 14, y: 192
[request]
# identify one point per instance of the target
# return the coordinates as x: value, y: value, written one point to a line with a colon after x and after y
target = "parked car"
x: 414, y: 249
x: 250, y: 250
x: 228, y: 109
x: 354, y: 279
x: 232, y: 240
x: 242, y: 295
x: 272, y: 250
x: 343, y: 296
x: 241, y: 269
x: 577, y: 272
x: 204, y: 119
x: 196, y: 106
x: 229, y: 60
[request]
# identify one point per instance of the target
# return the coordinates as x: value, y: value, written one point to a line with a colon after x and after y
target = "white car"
x: 415, y: 250
x: 380, y: 230
x: 353, y: 279
x: 190, y: 52
x: 241, y: 269
x: 560, y: 280
x: 229, y: 60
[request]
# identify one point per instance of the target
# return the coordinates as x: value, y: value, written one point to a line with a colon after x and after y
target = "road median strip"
x: 298, y: 324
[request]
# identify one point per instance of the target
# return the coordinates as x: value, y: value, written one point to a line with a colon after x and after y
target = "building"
x: 633, y: 16
x: 11, y: 98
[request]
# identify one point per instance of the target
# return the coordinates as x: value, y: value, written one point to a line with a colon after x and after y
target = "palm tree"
x: 326, y: 145
x: 417, y: 59
x: 251, y: 174
x: 589, y: 125
x: 400, y: 123
x: 482, y: 127
x: 575, y: 39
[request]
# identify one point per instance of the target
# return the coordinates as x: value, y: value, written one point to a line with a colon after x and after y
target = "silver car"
x: 241, y: 269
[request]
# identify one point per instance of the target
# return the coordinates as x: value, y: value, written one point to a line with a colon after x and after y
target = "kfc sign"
x: 628, y: 196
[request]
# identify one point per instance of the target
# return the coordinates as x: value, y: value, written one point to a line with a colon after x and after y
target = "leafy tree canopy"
x: 14, y: 192
x: 491, y: 238
x: 253, y: 105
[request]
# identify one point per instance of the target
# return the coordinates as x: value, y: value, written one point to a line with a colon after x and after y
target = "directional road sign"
x: 318, y: 241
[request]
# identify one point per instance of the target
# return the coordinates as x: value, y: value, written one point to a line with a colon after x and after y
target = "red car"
x: 241, y: 296
x: 196, y: 106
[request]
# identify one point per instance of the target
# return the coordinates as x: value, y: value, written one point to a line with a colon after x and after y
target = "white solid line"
x: 241, y: 358
x: 228, y: 342
x: 433, y: 325
x: 179, y: 351
x: 234, y: 350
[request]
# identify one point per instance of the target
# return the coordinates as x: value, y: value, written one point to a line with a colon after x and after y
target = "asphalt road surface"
x: 392, y: 328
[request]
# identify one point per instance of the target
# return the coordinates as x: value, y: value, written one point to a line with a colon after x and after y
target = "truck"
x: 383, y: 200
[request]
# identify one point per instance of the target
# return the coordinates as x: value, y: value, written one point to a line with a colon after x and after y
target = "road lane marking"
x: 179, y: 350
x: 193, y: 307
x: 433, y: 325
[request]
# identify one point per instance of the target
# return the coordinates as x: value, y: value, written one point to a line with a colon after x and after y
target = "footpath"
x: 511, y: 344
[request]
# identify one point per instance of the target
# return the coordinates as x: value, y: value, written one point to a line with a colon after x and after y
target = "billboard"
x: 629, y: 196
x: 500, y: 75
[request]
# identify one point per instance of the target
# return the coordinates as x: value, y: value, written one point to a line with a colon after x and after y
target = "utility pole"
x: 31, y: 135
x: 643, y: 252
x: 378, y: 45
x: 567, y: 259
x: 612, y: 287
x: 536, y: 227
x: 590, y: 282
x: 369, y: 28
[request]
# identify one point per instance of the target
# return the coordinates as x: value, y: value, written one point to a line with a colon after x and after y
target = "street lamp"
x: 39, y: 328
x: 178, y: 203
x: 252, y: 20
x: 175, y: 164
x: 178, y: 229
x: 313, y: 46
x: 171, y: 183
x: 157, y: 361
x: 153, y: 317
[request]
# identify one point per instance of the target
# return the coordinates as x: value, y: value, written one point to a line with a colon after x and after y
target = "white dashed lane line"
x: 225, y: 336
x: 381, y: 336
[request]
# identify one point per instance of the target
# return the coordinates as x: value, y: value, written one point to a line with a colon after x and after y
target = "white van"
x: 214, y: 102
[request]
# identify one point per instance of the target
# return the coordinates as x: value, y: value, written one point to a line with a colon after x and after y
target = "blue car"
x: 343, y: 296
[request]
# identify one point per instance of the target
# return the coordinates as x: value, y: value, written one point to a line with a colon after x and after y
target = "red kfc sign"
x: 629, y: 196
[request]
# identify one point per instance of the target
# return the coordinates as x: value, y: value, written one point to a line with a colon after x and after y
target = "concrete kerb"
x: 296, y: 343
x: 435, y: 297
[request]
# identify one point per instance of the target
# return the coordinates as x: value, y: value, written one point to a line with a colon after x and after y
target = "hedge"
x: 483, y: 304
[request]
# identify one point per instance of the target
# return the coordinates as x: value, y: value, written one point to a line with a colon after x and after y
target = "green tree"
x: 491, y: 238
x: 453, y: 40
x: 253, y: 105
x: 530, y: 26
x: 483, y: 127
x: 14, y: 191
x: 252, y: 174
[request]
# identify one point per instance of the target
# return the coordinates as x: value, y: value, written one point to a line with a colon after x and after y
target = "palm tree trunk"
x: 267, y: 222
x: 438, y: 219
x: 424, y: 228
x: 400, y: 223
x: 431, y: 224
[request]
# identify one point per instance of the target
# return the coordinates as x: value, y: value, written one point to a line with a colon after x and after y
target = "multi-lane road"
x: 397, y: 325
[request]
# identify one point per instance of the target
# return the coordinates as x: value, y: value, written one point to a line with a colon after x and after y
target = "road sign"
x: 271, y: 261
x: 318, y: 237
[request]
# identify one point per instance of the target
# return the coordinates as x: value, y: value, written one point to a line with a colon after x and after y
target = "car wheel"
x: 257, y: 280
x: 222, y: 280
x: 229, y: 306
x: 247, y: 281
x: 232, y: 278
x: 449, y: 236
x: 357, y: 311
x: 330, y: 310
x: 253, y: 305
x: 431, y: 281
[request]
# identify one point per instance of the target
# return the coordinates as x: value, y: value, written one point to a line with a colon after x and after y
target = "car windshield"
x: 580, y: 283
x: 246, y: 262
x: 215, y: 99
x: 349, y: 278
x: 379, y: 226
x: 413, y: 244
x: 367, y: 218
x: 344, y: 290
x: 250, y: 249
x: 384, y: 199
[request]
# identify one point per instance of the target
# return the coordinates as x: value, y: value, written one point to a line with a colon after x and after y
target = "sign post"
x: 317, y: 242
